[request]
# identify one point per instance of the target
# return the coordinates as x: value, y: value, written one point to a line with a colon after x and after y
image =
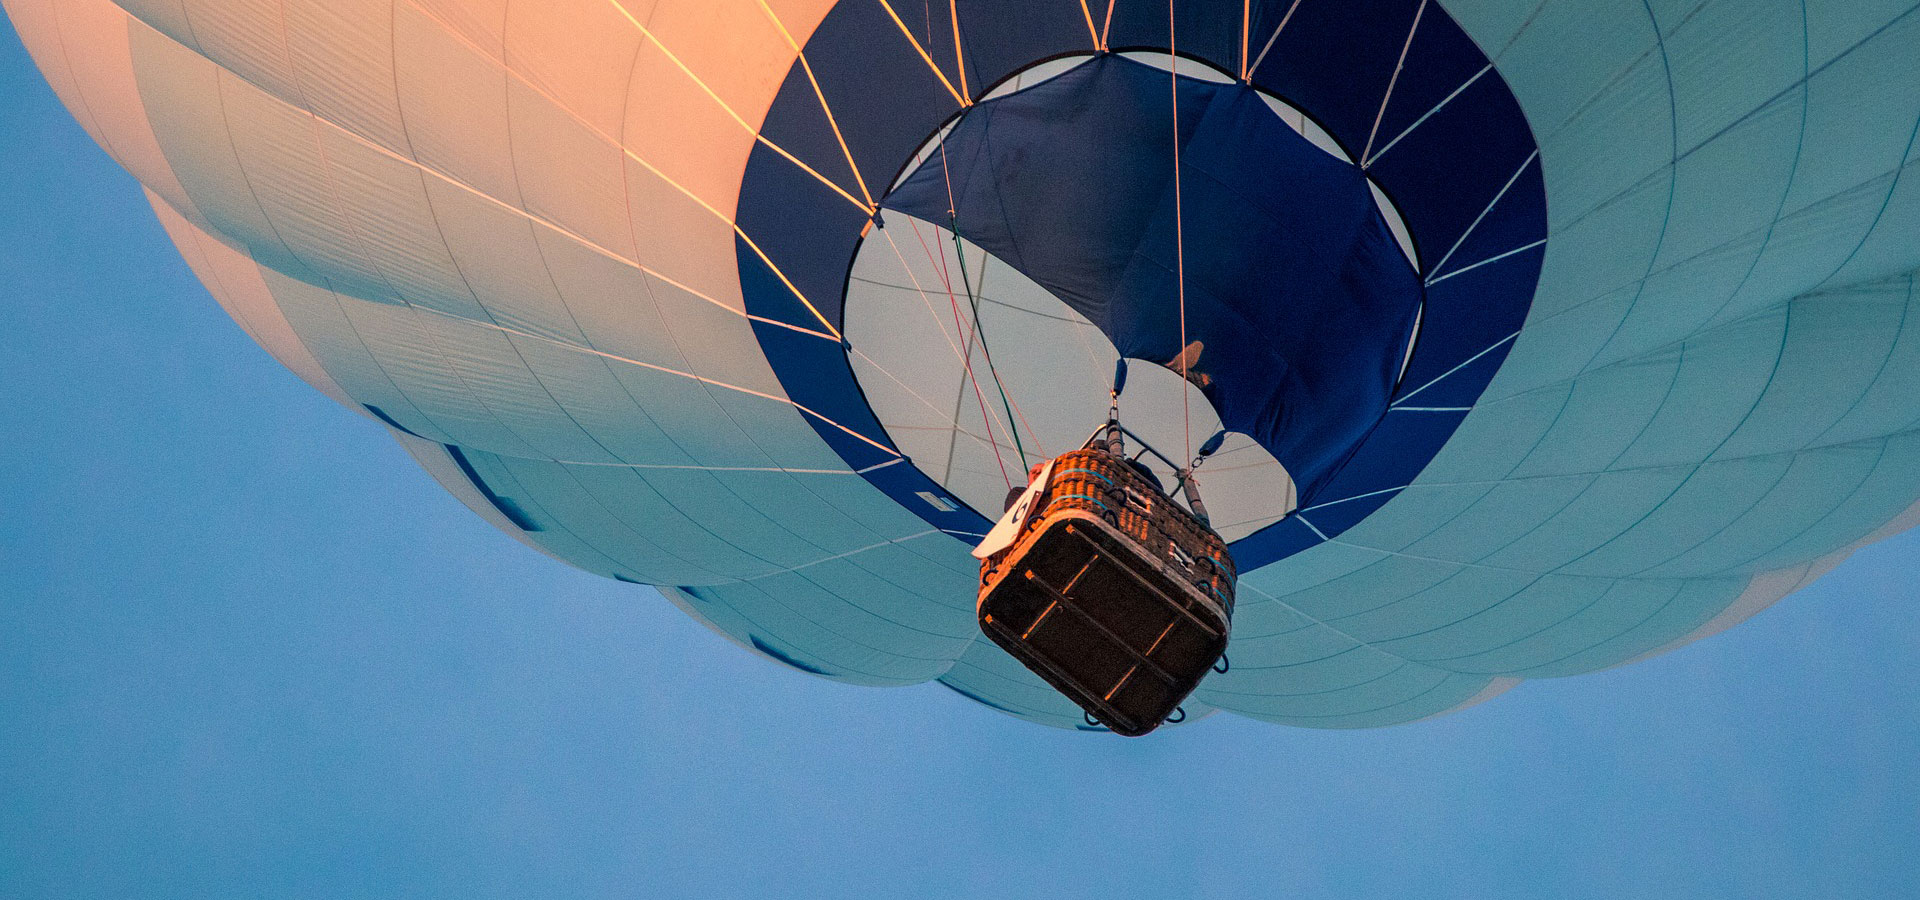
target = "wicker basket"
x: 1112, y: 592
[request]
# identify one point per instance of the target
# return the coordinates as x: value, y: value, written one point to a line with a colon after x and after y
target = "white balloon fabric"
x: 634, y: 280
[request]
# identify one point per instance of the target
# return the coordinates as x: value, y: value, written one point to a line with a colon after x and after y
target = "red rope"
x: 946, y: 278
x: 966, y: 349
x: 1179, y: 236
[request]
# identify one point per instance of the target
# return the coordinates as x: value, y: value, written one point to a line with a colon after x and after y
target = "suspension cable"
x: 1013, y: 419
x: 966, y: 354
x: 980, y: 328
x: 1179, y: 233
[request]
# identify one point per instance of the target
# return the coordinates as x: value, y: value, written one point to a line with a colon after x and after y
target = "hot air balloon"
x: 1548, y: 334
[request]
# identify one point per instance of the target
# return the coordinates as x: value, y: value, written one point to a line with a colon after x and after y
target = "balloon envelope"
x: 1551, y: 335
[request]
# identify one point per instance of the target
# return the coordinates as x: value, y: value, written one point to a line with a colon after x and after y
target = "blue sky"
x: 248, y: 649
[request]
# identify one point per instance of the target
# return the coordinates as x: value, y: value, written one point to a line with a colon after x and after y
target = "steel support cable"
x: 1246, y: 23
x: 966, y: 357
x: 821, y: 95
x: 551, y: 225
x: 917, y: 396
x: 979, y: 296
x: 980, y: 328
x: 973, y: 304
x: 1092, y: 31
x: 1262, y: 57
x: 959, y: 49
x: 1014, y: 419
x: 960, y: 329
x: 728, y: 108
x: 665, y: 370
x: 1393, y: 82
x: 924, y: 56
x: 1179, y: 235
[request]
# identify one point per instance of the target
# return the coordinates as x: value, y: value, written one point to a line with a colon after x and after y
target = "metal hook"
x: 1223, y: 665
x: 1207, y: 449
x: 1180, y: 711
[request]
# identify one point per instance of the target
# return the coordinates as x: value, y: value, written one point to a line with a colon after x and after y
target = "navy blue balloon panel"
x: 1295, y: 290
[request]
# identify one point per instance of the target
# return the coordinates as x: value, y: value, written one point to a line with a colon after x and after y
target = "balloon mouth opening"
x: 978, y: 363
x: 1454, y: 164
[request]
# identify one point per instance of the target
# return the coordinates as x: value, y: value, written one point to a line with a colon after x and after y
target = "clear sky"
x: 248, y: 649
